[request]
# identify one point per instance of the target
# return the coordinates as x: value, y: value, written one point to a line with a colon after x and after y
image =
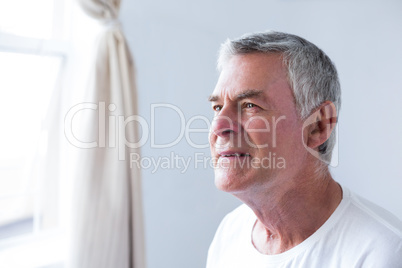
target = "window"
x: 34, y: 42
x: 26, y: 86
x: 42, y: 19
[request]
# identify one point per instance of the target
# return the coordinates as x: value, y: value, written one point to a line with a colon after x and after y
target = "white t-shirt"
x: 357, y: 234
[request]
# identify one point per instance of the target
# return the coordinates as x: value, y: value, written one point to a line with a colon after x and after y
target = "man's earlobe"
x: 319, y: 125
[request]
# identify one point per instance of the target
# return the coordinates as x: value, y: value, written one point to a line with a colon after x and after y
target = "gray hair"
x: 311, y: 74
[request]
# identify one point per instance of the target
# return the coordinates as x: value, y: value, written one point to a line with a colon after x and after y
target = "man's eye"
x: 217, y: 108
x: 250, y: 105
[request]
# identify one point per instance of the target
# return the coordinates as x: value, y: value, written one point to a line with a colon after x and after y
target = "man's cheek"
x: 258, y: 132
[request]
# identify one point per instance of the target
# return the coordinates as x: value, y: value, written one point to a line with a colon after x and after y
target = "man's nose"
x: 224, y: 125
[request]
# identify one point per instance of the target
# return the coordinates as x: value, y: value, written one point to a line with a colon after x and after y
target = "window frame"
x: 59, y: 45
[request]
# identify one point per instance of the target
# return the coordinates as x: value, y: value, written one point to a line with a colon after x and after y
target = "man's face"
x: 256, y: 135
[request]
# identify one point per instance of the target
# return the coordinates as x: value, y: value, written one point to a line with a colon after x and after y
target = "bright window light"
x: 26, y: 85
x: 27, y: 18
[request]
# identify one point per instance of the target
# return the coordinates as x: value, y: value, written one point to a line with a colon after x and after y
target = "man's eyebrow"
x: 248, y: 94
x: 213, y: 98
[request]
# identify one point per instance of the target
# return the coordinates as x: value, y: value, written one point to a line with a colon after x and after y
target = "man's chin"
x: 226, y: 184
x: 220, y: 185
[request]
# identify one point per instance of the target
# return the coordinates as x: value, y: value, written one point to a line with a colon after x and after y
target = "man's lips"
x: 233, y: 154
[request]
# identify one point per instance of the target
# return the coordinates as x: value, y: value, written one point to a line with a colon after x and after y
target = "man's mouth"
x: 235, y: 155
x: 232, y: 153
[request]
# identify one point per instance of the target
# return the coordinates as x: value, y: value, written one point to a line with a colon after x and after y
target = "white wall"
x: 175, y: 45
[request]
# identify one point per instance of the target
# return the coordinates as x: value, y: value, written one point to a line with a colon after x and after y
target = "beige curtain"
x: 107, y: 214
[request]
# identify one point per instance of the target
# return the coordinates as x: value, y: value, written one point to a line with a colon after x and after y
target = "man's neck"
x: 286, y: 216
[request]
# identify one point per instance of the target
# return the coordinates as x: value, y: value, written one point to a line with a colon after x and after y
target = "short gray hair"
x: 311, y: 74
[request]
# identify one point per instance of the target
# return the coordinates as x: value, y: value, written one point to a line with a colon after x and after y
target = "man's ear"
x: 319, y: 125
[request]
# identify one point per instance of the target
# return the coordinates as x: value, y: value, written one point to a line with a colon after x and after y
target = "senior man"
x: 276, y: 105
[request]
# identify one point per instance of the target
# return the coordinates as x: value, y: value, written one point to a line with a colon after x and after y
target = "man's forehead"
x: 250, y: 75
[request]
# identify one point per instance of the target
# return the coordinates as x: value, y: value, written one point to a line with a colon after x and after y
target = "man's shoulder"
x: 372, y: 216
x: 368, y: 234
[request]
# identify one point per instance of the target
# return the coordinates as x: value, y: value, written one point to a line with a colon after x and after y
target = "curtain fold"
x: 108, y: 222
